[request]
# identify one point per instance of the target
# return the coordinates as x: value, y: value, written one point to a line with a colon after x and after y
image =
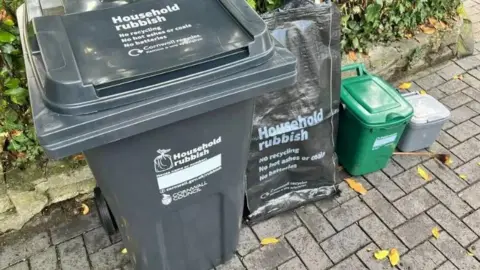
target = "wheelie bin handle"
x: 359, y: 67
x: 394, y: 116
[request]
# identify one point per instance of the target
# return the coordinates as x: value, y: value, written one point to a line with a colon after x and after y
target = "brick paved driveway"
x: 399, y: 210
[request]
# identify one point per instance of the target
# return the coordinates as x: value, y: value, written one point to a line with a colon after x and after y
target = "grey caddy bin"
x: 428, y: 118
x: 159, y: 98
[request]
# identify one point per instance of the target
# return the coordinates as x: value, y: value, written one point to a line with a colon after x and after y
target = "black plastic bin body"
x: 166, y: 137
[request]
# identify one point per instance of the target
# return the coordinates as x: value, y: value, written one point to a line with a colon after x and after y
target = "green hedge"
x: 371, y: 21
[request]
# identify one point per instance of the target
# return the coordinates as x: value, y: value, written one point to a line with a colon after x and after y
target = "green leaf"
x: 355, y: 43
x: 252, y: 3
x: 9, y: 22
x: 380, y: 2
x: 18, y: 95
x: 11, y: 83
x: 9, y: 49
x: 21, y: 138
x: 373, y: 12
x: 11, y: 115
x: 6, y: 37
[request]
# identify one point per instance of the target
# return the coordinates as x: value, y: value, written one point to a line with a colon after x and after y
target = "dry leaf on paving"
x: 85, y: 209
x: 423, y: 174
x: 269, y: 241
x: 408, y: 35
x: 124, y: 251
x: 448, y: 161
x: 79, y: 157
x: 427, y: 30
x: 463, y: 176
x: 435, y: 233
x: 458, y: 77
x: 352, y: 55
x: 443, y: 25
x: 471, y: 251
x: 423, y: 92
x: 381, y: 254
x: 432, y: 21
x: 405, y: 85
x: 394, y: 257
x: 358, y: 187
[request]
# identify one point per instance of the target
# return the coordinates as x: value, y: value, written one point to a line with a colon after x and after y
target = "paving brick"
x: 468, y: 62
x: 471, y: 195
x: 473, y: 221
x: 473, y: 93
x: 316, y: 223
x: 73, y: 255
x: 270, y: 256
x: 474, y: 105
x: 472, y: 81
x: 96, y: 239
x: 436, y: 93
x: 438, y: 148
x: 455, y: 253
x: 293, y: 264
x: 471, y: 169
x: 307, y: 249
x: 22, y: 248
x: 464, y: 131
x: 410, y: 180
x: 467, y: 150
x: 393, y: 168
x: 446, y: 175
x: 448, y: 198
x: 408, y: 162
x: 380, y: 234
x: 462, y: 114
x: 115, y: 238
x: 110, y: 257
x: 45, y: 260
x: 277, y: 226
x: 386, y: 211
x: 446, y: 140
x: 75, y: 227
x: 450, y: 71
x: 456, y: 100
x: 452, y: 87
x: 424, y: 256
x: 349, y: 263
x: 247, y: 241
x: 129, y: 266
x: 386, y: 186
x: 347, y: 213
x: 415, y: 203
x: 346, y: 193
x: 326, y: 204
x: 345, y: 243
x: 416, y: 230
x: 454, y: 226
x: 448, y: 125
x: 430, y: 81
x: 366, y: 256
x: 447, y: 266
x: 232, y: 264
x: 19, y: 266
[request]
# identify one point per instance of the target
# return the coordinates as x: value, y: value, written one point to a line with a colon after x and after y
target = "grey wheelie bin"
x: 158, y: 95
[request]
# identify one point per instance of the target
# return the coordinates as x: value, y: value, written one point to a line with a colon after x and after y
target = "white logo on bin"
x: 166, y: 199
x: 135, y: 52
x: 163, y: 162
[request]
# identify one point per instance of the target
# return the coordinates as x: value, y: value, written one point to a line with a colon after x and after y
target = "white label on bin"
x: 384, y: 140
x: 179, y: 174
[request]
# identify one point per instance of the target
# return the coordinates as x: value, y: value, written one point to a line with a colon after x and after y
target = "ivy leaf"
x: 355, y: 42
x: 373, y: 12
x: 17, y: 95
x: 6, y: 37
x: 11, y: 83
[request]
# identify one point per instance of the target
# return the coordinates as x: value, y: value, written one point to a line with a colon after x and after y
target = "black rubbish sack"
x: 292, y: 159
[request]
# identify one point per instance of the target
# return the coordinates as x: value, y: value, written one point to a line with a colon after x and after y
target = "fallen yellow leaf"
x: 394, y: 257
x: 405, y: 85
x: 463, y: 176
x: 432, y: 21
x: 408, y: 35
x: 381, y: 254
x: 358, y: 187
x: 85, y: 209
x: 449, y: 161
x: 435, y: 233
x: 427, y: 30
x: 423, y: 92
x: 352, y: 55
x: 478, y: 163
x: 423, y: 174
x: 269, y: 241
x: 458, y: 77
x: 471, y: 251
x: 124, y: 251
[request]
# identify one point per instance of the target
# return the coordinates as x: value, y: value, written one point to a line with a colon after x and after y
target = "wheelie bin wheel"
x: 106, y: 217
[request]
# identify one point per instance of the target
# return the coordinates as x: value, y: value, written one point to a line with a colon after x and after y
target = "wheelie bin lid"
x: 66, y: 134
x: 96, y: 54
x: 372, y: 100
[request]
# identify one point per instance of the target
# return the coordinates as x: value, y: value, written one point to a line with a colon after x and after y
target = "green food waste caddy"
x: 372, y: 120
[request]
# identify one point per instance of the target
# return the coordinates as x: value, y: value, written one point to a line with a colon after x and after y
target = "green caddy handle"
x: 360, y: 68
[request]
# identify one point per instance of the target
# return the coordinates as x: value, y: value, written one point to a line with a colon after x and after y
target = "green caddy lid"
x: 372, y: 100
